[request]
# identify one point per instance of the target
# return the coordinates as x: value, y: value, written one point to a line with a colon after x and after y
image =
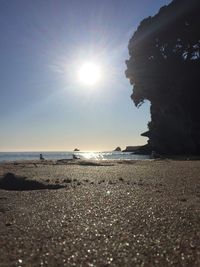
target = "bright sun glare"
x: 89, y: 73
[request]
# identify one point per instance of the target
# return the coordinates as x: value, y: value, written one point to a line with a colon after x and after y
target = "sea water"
x: 17, y: 156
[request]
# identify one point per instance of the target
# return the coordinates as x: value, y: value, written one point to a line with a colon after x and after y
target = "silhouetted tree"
x: 164, y: 68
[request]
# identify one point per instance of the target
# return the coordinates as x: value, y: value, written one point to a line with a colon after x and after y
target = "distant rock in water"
x: 117, y: 149
x: 142, y: 150
x: 76, y: 149
x: 131, y: 149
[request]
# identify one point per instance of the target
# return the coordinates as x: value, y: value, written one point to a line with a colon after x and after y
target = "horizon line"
x: 41, y: 150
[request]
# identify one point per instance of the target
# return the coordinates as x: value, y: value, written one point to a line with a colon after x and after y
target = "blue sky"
x: 43, y: 43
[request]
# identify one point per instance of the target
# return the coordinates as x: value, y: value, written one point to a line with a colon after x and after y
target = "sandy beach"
x: 109, y: 213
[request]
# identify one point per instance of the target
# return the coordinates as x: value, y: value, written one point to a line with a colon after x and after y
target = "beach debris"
x: 10, y: 181
x: 121, y: 179
x: 183, y: 199
x: 8, y: 224
x: 158, y: 191
x: 101, y: 181
x: 68, y: 180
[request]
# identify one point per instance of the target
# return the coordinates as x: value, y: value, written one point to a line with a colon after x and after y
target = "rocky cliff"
x: 164, y: 68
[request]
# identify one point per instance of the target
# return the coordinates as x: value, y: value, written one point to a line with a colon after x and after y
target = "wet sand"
x: 116, y: 213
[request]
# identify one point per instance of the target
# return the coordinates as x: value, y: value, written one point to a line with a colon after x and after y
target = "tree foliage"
x: 164, y: 68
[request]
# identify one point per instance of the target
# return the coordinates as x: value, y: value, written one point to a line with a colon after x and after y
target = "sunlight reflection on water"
x: 91, y: 155
x: 109, y: 156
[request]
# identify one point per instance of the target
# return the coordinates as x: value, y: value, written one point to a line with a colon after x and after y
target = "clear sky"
x: 43, y: 104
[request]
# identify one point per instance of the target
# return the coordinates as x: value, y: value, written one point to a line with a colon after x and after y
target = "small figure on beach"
x: 41, y: 157
x: 75, y: 157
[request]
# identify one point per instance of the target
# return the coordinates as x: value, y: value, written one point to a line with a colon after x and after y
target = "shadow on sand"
x: 11, y: 181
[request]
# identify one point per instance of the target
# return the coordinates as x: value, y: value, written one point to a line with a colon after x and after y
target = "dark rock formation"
x: 76, y: 149
x: 131, y: 149
x: 117, y: 149
x: 164, y: 68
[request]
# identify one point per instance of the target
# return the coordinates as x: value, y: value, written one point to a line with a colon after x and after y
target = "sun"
x: 89, y: 73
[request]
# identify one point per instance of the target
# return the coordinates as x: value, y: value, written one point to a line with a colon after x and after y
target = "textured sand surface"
x: 144, y: 213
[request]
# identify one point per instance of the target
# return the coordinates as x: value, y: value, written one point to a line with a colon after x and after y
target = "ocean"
x: 16, y: 156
